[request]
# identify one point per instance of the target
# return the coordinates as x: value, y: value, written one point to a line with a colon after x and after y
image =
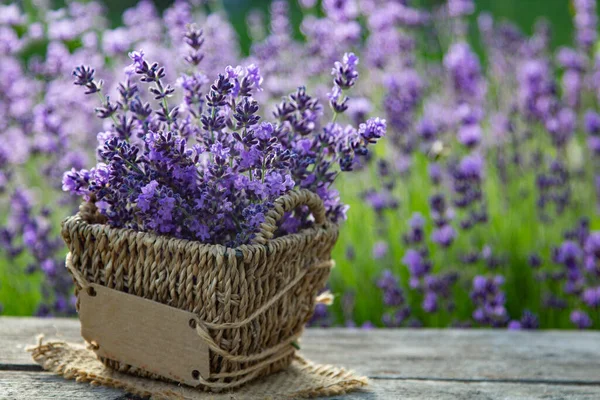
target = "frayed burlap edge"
x: 303, y: 379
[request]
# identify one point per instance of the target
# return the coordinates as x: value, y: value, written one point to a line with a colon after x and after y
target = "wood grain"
x: 554, y: 356
x: 407, y: 364
x: 42, y: 386
x: 461, y: 354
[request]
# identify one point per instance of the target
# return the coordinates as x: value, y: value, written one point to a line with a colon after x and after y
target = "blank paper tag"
x: 143, y: 333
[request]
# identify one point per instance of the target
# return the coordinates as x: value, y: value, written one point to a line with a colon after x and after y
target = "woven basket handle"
x: 287, y: 203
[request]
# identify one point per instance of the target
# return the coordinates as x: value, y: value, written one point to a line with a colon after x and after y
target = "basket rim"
x: 77, y: 222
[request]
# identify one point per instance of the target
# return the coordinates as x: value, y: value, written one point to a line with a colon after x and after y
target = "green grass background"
x: 513, y: 227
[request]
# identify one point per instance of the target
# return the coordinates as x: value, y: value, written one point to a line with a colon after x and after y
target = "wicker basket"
x: 252, y: 301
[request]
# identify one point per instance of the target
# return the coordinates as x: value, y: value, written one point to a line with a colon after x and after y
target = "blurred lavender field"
x: 479, y: 208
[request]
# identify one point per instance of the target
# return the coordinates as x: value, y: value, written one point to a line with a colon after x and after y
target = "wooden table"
x: 402, y: 364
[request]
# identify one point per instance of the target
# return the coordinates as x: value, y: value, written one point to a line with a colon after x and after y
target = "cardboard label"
x: 143, y: 333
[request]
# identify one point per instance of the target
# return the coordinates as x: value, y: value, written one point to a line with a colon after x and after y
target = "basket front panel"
x: 219, y: 284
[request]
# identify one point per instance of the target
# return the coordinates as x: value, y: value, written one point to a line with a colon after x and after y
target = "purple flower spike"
x: 393, y: 295
x: 459, y: 8
x: 469, y: 135
x: 471, y: 167
x: 416, y: 264
x: 380, y: 250
x: 586, y: 23
x: 569, y: 254
x: 591, y: 297
x: 84, y: 76
x: 430, y: 302
x: 345, y: 72
x: 529, y: 320
x: 592, y: 123
x: 444, y: 236
x: 367, y: 325
x: 372, y: 130
x: 581, y: 319
x: 416, y: 229
x: 137, y: 57
x: 489, y: 300
x: 514, y: 325
x: 345, y: 75
x: 465, y: 72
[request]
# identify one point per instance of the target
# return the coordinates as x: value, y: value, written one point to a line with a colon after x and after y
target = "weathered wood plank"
x: 42, y: 385
x: 469, y: 355
x: 18, y: 333
x: 557, y: 356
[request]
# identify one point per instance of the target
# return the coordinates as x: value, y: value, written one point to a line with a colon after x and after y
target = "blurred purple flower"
x: 591, y: 297
x: 416, y: 264
x: 459, y: 8
x: 465, y: 71
x: 444, y: 236
x: 380, y: 250
x: 592, y: 123
x: 581, y: 319
x: 469, y: 135
x: 514, y: 325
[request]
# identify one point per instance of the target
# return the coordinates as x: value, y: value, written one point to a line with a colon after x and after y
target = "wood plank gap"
x: 565, y: 382
x: 21, y: 367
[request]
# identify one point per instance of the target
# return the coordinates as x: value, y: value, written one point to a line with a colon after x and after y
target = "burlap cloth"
x: 303, y: 379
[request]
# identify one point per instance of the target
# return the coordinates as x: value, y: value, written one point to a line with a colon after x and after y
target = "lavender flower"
x: 469, y: 135
x: 529, y: 320
x: 416, y: 232
x: 340, y: 10
x: 591, y: 296
x: 459, y: 8
x: 85, y: 77
x: 514, y: 325
x: 195, y: 40
x: 373, y: 130
x: 444, y: 235
x: 586, y: 21
x: 345, y: 76
x: 592, y: 123
x: 417, y: 265
x: 393, y: 299
x: 489, y: 300
x: 220, y: 189
x: 465, y: 72
x: 581, y: 319
x: 380, y: 250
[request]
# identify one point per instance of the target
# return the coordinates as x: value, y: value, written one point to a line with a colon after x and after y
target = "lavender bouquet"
x: 45, y: 122
x: 209, y: 169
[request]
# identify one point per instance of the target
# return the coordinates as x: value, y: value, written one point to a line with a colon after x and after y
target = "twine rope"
x: 268, y: 304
